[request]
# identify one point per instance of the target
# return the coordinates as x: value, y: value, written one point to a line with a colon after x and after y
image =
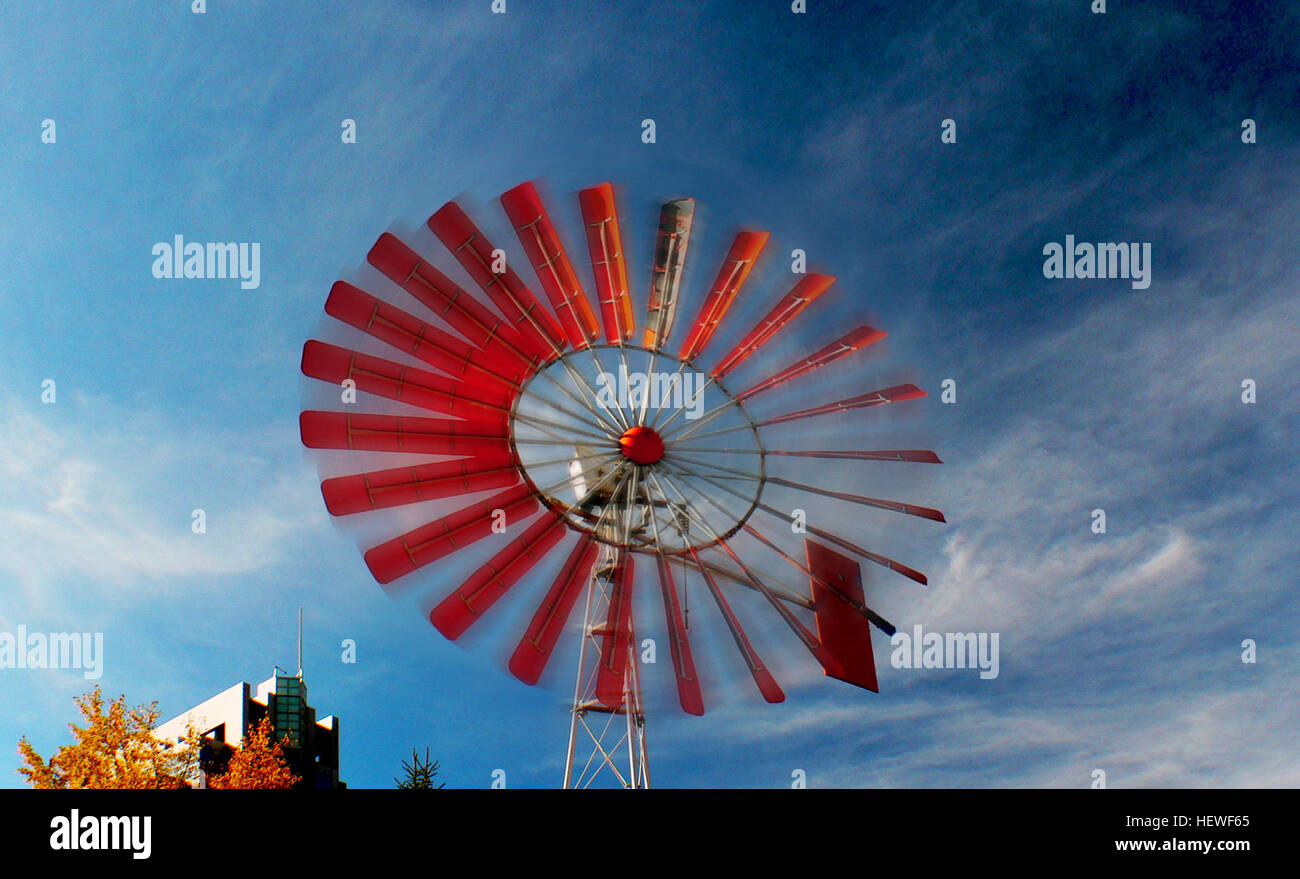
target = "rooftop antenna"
x: 300, y: 643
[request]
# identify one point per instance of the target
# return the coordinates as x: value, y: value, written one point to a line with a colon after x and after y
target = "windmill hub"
x: 588, y: 447
x: 641, y: 445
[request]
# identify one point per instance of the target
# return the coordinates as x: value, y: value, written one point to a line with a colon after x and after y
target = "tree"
x: 259, y: 764
x: 116, y: 749
x: 419, y: 773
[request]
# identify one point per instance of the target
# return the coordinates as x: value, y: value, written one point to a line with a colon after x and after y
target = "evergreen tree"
x: 419, y: 773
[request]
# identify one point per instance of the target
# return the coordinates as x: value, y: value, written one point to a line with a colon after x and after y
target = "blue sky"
x: 1119, y: 651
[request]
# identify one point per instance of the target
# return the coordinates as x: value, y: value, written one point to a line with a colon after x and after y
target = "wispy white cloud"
x: 102, y: 497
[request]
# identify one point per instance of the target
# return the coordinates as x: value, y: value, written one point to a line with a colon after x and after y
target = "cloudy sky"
x: 1119, y: 651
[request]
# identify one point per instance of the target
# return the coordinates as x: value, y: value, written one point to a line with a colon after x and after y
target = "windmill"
x: 626, y: 451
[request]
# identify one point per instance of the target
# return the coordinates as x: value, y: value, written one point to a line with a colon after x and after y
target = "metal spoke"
x: 544, y: 423
x: 891, y: 455
x: 685, y: 431
x: 732, y: 429
x: 616, y: 414
x: 685, y: 403
x: 533, y: 441
x: 741, y: 474
x: 796, y: 598
x: 591, y: 406
x: 799, y: 629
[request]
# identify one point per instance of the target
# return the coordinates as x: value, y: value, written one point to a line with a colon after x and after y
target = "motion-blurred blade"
x: 892, y: 506
x: 802, y: 632
x: 915, y: 456
x: 458, y: 611
x: 688, y: 683
x: 408, y: 333
x: 471, y: 318
x: 767, y: 684
x: 808, y: 289
x: 406, y: 384
x: 883, y: 561
x: 541, y: 242
x: 441, y: 537
x: 872, y: 398
x: 605, y: 244
x: 675, y: 218
x: 489, y: 268
x: 851, y: 341
x: 535, y: 648
x: 398, y: 486
x: 735, y: 269
x: 400, y: 433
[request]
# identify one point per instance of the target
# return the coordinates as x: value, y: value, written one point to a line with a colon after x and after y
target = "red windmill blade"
x: 475, y: 321
x: 735, y: 269
x: 675, y: 221
x: 605, y: 244
x: 529, y: 438
x: 489, y: 268
x: 542, y: 243
x: 800, y: 297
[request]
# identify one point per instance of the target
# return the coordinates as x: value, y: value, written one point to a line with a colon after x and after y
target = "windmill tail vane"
x: 632, y: 466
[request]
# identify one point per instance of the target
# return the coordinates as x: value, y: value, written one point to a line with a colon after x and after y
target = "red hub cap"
x: 641, y: 445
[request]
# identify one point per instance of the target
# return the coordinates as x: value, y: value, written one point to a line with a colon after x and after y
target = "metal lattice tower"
x: 614, y: 738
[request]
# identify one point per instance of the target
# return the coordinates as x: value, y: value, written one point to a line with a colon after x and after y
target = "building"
x: 311, y: 746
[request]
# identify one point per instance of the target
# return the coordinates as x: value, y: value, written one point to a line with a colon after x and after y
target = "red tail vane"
x: 428, y: 543
x: 541, y: 242
x: 491, y: 271
x: 845, y: 633
x: 605, y: 243
x: 462, y: 608
x: 535, y: 648
x: 808, y: 289
x: 731, y: 277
